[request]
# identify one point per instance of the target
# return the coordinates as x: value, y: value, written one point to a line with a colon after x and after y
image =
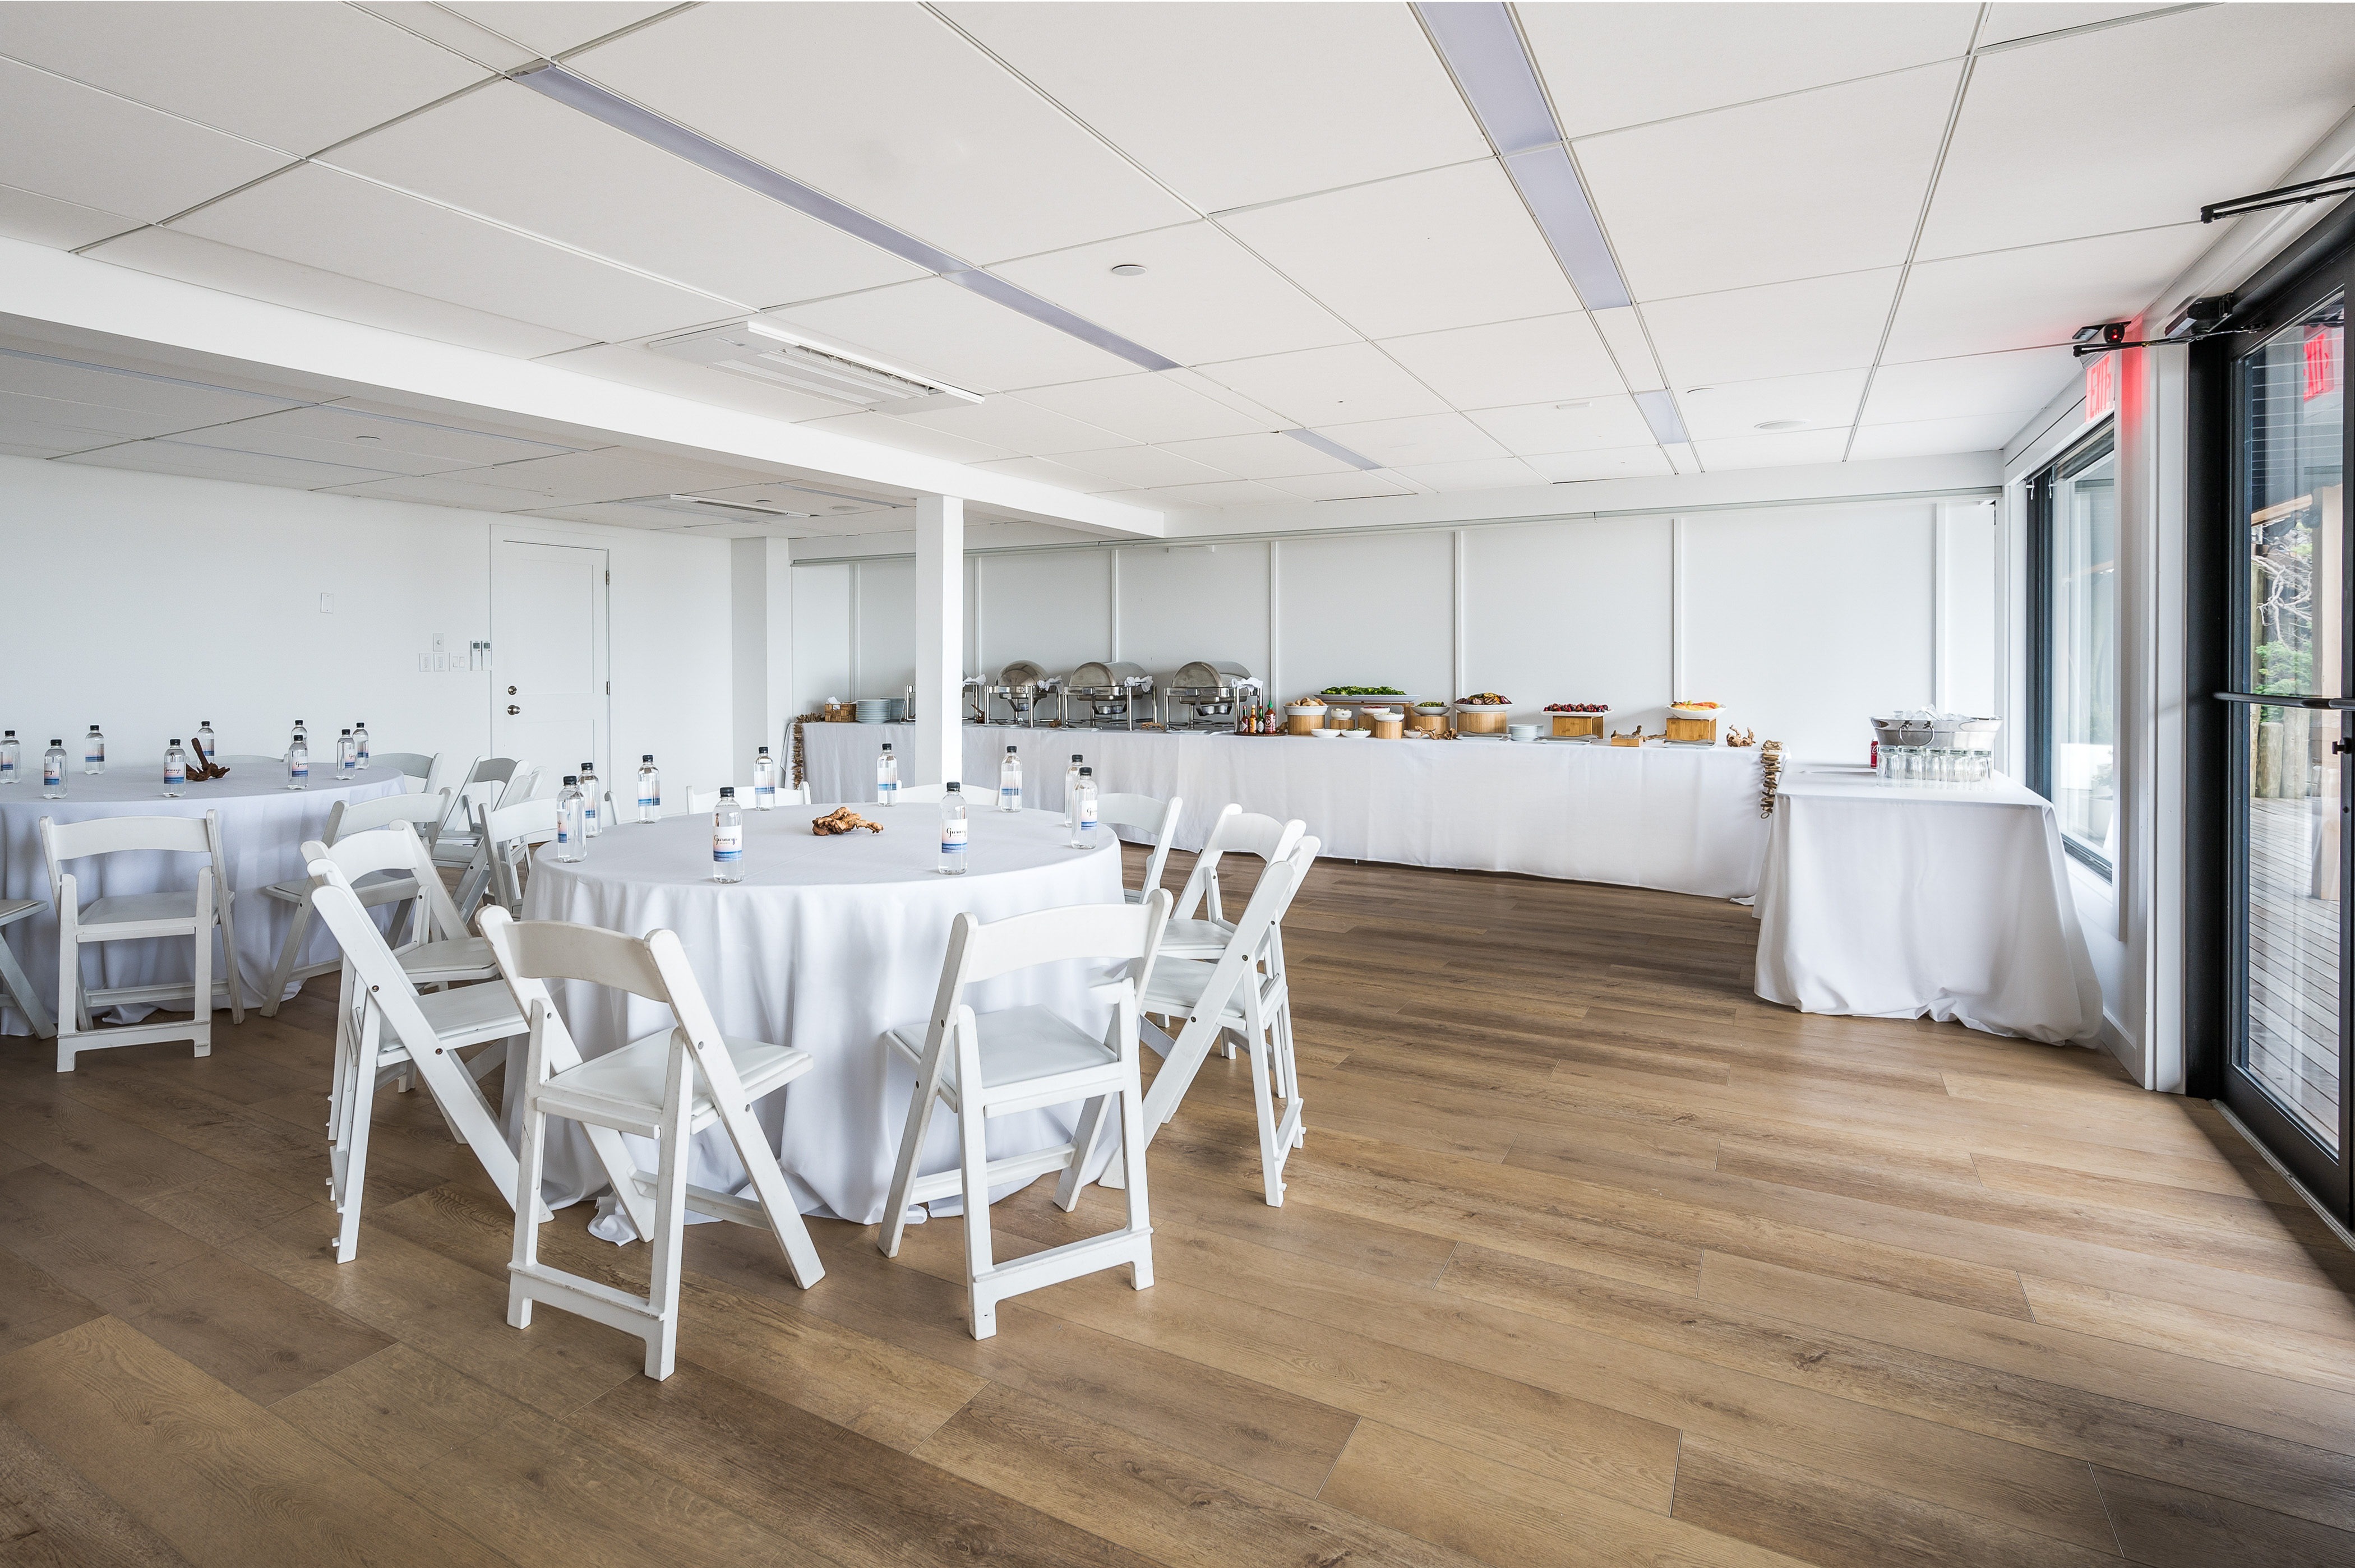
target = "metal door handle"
x: 511, y: 691
x: 513, y: 708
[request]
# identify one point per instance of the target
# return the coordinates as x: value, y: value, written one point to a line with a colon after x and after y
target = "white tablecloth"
x: 264, y: 824
x: 1900, y: 903
x: 825, y: 944
x: 1681, y: 820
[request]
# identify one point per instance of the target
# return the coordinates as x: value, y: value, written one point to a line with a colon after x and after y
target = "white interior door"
x: 547, y: 656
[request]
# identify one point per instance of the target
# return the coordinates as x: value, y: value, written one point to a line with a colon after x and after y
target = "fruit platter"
x: 1694, y: 723
x: 1484, y: 700
x: 1362, y: 691
x: 1482, y: 713
x: 1578, y: 707
x: 1578, y: 721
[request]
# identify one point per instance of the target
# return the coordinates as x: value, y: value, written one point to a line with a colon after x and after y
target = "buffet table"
x: 1680, y: 819
x: 1903, y: 904
x: 264, y: 826
x: 826, y: 943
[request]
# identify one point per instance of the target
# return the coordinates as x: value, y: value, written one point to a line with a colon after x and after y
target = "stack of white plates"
x: 871, y: 709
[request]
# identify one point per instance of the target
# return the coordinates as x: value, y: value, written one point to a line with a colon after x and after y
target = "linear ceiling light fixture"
x: 599, y: 103
x: 1492, y: 69
x: 1332, y: 449
x: 1660, y: 412
x: 703, y: 505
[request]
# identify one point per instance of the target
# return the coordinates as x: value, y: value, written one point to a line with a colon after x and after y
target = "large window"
x: 2073, y: 668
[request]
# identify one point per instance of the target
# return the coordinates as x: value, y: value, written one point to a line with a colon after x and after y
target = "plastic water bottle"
x: 360, y: 744
x: 204, y: 740
x: 1083, y: 811
x: 953, y: 827
x: 176, y: 770
x: 298, y: 763
x: 649, y: 790
x: 53, y: 770
x: 11, y: 753
x: 886, y: 777
x: 727, y: 839
x: 592, y: 797
x: 347, y: 756
x: 571, y: 834
x: 764, y: 781
x: 1009, y: 782
x: 93, y: 753
x: 1070, y: 787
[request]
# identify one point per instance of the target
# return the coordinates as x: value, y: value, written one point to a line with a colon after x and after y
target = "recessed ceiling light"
x: 1127, y: 270
x: 1697, y: 391
x: 1780, y: 424
x: 1582, y: 403
x: 367, y: 438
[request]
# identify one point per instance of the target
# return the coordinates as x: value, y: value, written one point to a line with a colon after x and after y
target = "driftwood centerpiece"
x: 842, y: 820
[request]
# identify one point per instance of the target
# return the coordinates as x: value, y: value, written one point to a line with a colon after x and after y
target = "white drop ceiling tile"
x: 1449, y: 247
x: 174, y: 402
x: 819, y: 499
x: 453, y: 32
x: 321, y: 218
x: 169, y: 253
x: 1931, y: 438
x: 635, y: 365
x: 1511, y: 362
x: 560, y: 174
x: 1146, y: 406
x: 1200, y: 297
x: 1829, y: 181
x: 1260, y: 456
x: 1430, y: 438
x: 552, y: 27
x: 1536, y: 428
x: 955, y: 335
x: 2038, y: 294
x: 335, y: 434
x: 21, y: 449
x: 2017, y: 383
x: 1143, y: 466
x: 1015, y: 424
x: 72, y: 143
x: 1607, y: 463
x: 34, y: 437
x: 1226, y: 493
x: 1779, y: 329
x: 520, y: 437
x: 2007, y: 22
x: 1231, y: 104
x: 1349, y: 485
x: 60, y: 225
x: 1613, y: 65
x: 613, y: 475
x: 1780, y: 450
x: 885, y: 430
x: 1327, y: 386
x: 1046, y: 473
x: 886, y: 107
x: 1728, y: 408
x: 210, y: 462
x: 2156, y: 118
x: 104, y: 425
x: 297, y: 78
x: 444, y: 490
x: 1483, y: 474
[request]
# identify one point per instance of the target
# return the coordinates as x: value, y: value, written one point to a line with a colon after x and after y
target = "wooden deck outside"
x: 2293, y: 1035
x: 1591, y: 1259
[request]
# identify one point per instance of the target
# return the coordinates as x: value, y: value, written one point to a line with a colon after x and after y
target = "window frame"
x: 2099, y: 442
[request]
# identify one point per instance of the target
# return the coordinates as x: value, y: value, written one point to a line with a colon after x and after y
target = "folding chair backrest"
x: 63, y: 841
x: 425, y: 770
x: 350, y: 817
x: 699, y: 801
x: 530, y: 953
x: 1144, y: 814
x: 506, y: 836
x: 926, y: 794
x: 368, y: 955
x: 1235, y: 832
x: 394, y: 849
x: 523, y: 786
x: 979, y: 951
x: 1269, y: 899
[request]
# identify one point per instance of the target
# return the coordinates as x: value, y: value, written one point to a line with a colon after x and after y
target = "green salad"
x: 1362, y: 691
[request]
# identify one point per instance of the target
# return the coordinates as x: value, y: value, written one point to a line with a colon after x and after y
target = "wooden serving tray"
x: 1571, y: 724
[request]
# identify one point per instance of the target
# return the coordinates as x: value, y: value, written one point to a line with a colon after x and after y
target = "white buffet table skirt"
x: 825, y: 944
x: 264, y: 826
x: 1901, y: 903
x: 1681, y: 820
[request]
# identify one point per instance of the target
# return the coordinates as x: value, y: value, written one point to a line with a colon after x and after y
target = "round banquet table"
x: 264, y: 826
x: 825, y: 945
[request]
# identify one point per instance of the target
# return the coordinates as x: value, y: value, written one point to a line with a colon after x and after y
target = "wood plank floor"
x: 1591, y: 1258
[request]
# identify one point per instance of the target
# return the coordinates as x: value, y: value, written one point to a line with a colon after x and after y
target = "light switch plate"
x: 440, y: 661
x: 425, y: 664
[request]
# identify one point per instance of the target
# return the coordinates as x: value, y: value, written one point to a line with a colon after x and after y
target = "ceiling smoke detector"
x: 1127, y: 270
x: 798, y: 361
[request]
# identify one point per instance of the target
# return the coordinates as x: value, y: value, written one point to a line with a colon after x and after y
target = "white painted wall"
x: 149, y: 602
x: 1802, y: 619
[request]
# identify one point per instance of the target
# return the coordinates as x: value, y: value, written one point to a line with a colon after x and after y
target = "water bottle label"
x: 887, y: 789
x: 175, y: 772
x: 51, y: 773
x: 727, y: 844
x: 7, y: 770
x: 94, y: 758
x: 300, y: 770
x: 765, y: 794
x: 1088, y: 814
x: 646, y: 801
x: 952, y: 838
x: 589, y: 815
x: 561, y: 836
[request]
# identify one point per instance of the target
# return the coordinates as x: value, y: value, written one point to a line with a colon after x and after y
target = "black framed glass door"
x: 2291, y: 646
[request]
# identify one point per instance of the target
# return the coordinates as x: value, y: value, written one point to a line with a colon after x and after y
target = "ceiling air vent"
x: 788, y: 357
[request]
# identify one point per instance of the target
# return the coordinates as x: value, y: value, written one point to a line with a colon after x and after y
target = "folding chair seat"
x: 669, y: 1086
x: 345, y: 819
x: 1198, y: 926
x: 1018, y: 1059
x: 128, y: 917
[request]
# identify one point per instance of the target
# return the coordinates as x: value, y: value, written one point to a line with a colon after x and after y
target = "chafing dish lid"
x: 1021, y: 673
x: 1099, y: 674
x: 1207, y: 674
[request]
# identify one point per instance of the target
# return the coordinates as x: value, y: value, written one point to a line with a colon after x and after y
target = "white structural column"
x: 939, y: 639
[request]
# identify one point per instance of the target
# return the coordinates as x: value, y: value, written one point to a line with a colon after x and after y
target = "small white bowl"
x: 1353, y: 734
x: 1324, y: 734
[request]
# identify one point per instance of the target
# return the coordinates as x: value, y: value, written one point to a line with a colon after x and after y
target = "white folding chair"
x: 1243, y: 992
x: 346, y: 818
x: 702, y: 801
x: 1143, y: 814
x: 486, y: 784
x: 670, y: 1086
x: 386, y: 1029
x: 1018, y: 1059
x: 929, y: 794
x: 14, y: 986
x: 129, y: 917
x: 1199, y: 925
x: 502, y: 842
x: 436, y: 950
x: 423, y: 772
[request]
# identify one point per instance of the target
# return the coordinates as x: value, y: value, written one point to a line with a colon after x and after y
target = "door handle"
x: 511, y: 691
x: 513, y: 708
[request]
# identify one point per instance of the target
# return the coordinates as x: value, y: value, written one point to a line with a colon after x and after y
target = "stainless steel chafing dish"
x: 1111, y: 691
x: 1021, y: 686
x: 1208, y: 690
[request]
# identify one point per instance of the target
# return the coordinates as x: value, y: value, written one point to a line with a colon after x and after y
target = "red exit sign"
x: 2101, y: 387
